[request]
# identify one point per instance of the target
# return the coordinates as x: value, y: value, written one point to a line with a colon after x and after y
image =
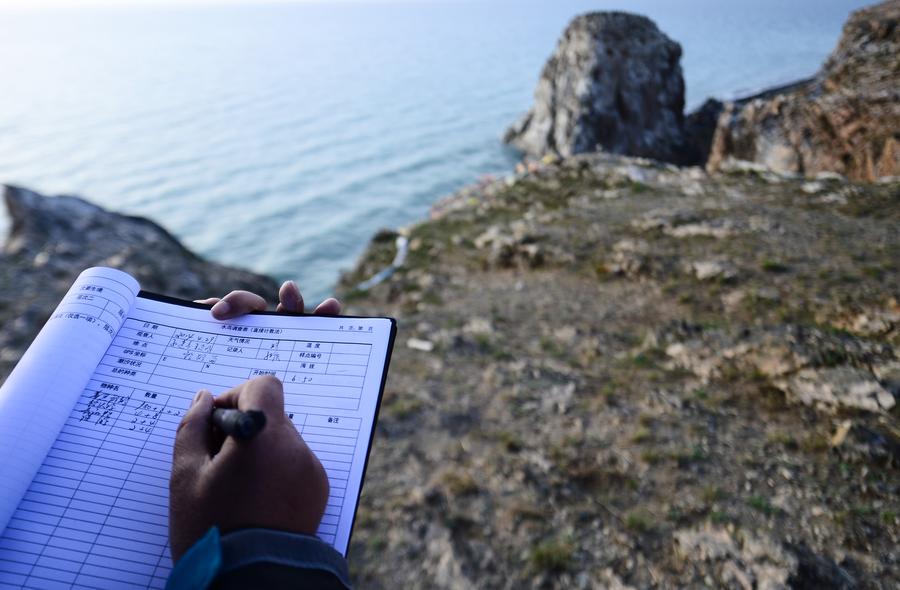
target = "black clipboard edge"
x: 387, y: 362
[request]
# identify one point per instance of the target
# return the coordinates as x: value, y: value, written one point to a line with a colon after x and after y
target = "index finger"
x: 263, y: 393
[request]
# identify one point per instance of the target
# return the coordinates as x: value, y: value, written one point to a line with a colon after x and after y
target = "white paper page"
x: 38, y: 395
x: 96, y: 514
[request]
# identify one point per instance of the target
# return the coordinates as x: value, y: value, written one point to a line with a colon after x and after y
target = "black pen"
x: 238, y: 424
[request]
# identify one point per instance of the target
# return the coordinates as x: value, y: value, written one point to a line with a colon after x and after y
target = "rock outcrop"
x: 845, y: 120
x: 52, y: 239
x: 614, y: 83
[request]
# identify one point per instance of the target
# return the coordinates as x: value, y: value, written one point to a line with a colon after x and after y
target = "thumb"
x: 193, y: 439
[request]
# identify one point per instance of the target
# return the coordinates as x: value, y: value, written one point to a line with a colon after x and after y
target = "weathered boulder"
x: 845, y: 120
x: 52, y: 239
x: 614, y: 83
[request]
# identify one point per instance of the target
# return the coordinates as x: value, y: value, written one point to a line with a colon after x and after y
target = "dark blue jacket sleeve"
x: 251, y: 558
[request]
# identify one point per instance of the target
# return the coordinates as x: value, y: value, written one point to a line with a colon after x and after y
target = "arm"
x: 244, y: 513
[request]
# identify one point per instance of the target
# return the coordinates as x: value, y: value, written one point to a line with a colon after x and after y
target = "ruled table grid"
x: 326, y: 375
x: 96, y: 513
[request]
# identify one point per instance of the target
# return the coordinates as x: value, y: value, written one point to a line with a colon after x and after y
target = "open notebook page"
x: 38, y: 396
x: 95, y: 515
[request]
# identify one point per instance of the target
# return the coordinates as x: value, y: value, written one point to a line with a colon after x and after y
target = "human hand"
x: 272, y: 480
x: 238, y: 303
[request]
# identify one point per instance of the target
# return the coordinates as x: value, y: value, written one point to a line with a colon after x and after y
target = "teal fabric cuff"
x: 246, y: 547
x: 200, y: 565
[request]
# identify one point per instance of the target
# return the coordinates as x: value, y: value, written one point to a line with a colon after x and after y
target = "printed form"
x: 96, y: 513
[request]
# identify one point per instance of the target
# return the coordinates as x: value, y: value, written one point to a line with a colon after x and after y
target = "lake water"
x: 281, y: 137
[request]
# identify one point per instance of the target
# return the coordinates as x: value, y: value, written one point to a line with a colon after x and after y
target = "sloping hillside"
x: 611, y: 372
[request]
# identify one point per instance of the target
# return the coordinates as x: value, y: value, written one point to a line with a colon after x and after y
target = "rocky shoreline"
x: 611, y: 371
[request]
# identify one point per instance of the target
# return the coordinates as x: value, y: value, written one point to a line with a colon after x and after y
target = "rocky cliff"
x: 52, y: 239
x: 614, y: 83
x: 618, y: 374
x: 610, y: 373
x: 845, y: 120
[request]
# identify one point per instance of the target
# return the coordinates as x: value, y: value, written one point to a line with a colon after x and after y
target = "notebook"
x: 88, y: 419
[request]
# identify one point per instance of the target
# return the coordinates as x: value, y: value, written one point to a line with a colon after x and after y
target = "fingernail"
x: 221, y: 308
x: 197, y: 397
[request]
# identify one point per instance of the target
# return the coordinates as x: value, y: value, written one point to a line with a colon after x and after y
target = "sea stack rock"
x: 52, y: 239
x: 845, y: 120
x: 614, y: 83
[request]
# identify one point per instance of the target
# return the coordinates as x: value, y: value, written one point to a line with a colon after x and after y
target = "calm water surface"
x: 281, y: 137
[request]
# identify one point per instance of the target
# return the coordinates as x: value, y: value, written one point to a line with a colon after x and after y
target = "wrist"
x: 215, y: 555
